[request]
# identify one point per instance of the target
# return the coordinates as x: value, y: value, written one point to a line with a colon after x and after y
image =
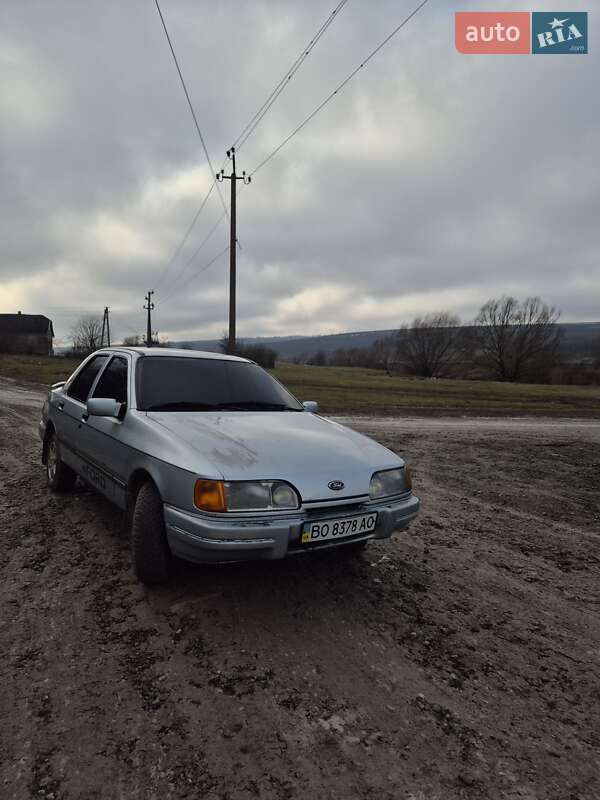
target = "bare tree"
x: 430, y: 346
x: 517, y: 340
x: 318, y: 359
x: 224, y: 342
x: 260, y: 353
x: 382, y: 352
x: 86, y: 334
x: 133, y: 341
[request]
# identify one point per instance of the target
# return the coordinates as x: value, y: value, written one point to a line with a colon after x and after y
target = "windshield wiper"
x: 256, y: 405
x: 183, y: 405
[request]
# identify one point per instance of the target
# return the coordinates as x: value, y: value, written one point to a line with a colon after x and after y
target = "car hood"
x: 304, y: 449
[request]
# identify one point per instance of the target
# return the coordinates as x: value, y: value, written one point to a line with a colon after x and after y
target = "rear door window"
x: 80, y: 388
x: 113, y: 381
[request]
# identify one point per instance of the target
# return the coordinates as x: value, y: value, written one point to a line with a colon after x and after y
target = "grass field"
x: 363, y: 391
x: 36, y: 369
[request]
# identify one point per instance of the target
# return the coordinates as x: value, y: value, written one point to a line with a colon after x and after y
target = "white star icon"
x: 557, y: 23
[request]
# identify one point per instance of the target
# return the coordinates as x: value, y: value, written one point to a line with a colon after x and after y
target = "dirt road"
x: 460, y: 659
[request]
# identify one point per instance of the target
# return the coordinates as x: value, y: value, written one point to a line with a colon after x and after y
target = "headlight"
x: 390, y: 482
x: 245, y: 496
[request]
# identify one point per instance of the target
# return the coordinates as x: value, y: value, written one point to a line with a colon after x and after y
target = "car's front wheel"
x: 152, y: 559
x: 59, y: 476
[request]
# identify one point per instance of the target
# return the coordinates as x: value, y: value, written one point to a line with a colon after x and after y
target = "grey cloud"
x: 431, y: 173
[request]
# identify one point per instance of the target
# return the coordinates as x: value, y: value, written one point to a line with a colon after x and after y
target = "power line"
x: 191, y: 107
x: 195, y: 253
x: 274, y: 152
x: 129, y: 328
x: 339, y: 88
x: 195, y: 275
x: 258, y: 116
x: 186, y: 236
x: 250, y: 126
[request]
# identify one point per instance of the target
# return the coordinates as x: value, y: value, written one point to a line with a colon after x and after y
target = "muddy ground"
x: 458, y: 660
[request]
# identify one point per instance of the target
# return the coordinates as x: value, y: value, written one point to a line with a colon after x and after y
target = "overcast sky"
x: 433, y: 181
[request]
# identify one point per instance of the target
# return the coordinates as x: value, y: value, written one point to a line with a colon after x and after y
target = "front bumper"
x: 207, y: 538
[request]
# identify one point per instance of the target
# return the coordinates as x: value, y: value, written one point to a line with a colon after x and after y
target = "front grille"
x: 341, y: 510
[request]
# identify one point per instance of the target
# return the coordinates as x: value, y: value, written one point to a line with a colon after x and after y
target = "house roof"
x: 25, y: 323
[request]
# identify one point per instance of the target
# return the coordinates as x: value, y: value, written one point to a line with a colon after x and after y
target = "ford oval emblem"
x: 336, y: 485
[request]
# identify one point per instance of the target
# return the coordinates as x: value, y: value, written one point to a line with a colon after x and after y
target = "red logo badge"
x: 494, y: 32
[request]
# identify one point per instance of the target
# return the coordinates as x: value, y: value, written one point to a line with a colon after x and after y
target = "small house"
x: 26, y: 333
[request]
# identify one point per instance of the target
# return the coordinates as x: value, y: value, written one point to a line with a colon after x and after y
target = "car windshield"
x: 177, y: 383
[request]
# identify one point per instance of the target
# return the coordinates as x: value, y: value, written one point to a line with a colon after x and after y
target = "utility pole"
x: 220, y: 176
x: 149, y: 307
x: 105, y: 328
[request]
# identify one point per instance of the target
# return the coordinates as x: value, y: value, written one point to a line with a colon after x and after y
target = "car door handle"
x: 61, y: 405
x: 85, y: 416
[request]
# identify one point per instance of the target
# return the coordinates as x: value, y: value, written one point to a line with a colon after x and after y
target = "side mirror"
x: 311, y: 405
x: 103, y: 407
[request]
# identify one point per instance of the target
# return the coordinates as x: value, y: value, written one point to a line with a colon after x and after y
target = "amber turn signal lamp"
x: 210, y: 495
x: 408, y: 477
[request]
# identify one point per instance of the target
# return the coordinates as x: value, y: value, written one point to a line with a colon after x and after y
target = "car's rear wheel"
x: 59, y: 476
x: 152, y: 559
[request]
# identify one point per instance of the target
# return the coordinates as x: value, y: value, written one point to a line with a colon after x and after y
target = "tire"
x: 152, y: 559
x: 59, y: 476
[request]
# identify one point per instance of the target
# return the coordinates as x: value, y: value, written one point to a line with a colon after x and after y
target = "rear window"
x: 167, y: 383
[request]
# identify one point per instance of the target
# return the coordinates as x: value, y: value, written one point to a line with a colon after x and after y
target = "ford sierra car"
x: 215, y: 461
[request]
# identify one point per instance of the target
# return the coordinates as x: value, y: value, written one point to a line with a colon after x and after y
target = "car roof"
x: 174, y: 351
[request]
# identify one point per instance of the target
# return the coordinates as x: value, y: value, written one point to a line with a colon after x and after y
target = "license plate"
x: 326, y: 529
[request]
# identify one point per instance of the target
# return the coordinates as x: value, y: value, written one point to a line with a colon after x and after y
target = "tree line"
x: 86, y: 337
x: 509, y: 340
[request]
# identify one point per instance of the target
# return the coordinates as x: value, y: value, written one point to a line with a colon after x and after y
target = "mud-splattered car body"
x: 241, y: 479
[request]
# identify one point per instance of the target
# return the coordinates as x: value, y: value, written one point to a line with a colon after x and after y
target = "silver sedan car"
x: 216, y: 461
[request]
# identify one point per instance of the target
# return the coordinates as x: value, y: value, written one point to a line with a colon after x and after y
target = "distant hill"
x: 294, y: 346
x: 578, y: 340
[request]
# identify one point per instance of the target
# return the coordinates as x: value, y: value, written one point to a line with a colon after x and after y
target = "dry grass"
x: 37, y: 369
x: 364, y: 391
